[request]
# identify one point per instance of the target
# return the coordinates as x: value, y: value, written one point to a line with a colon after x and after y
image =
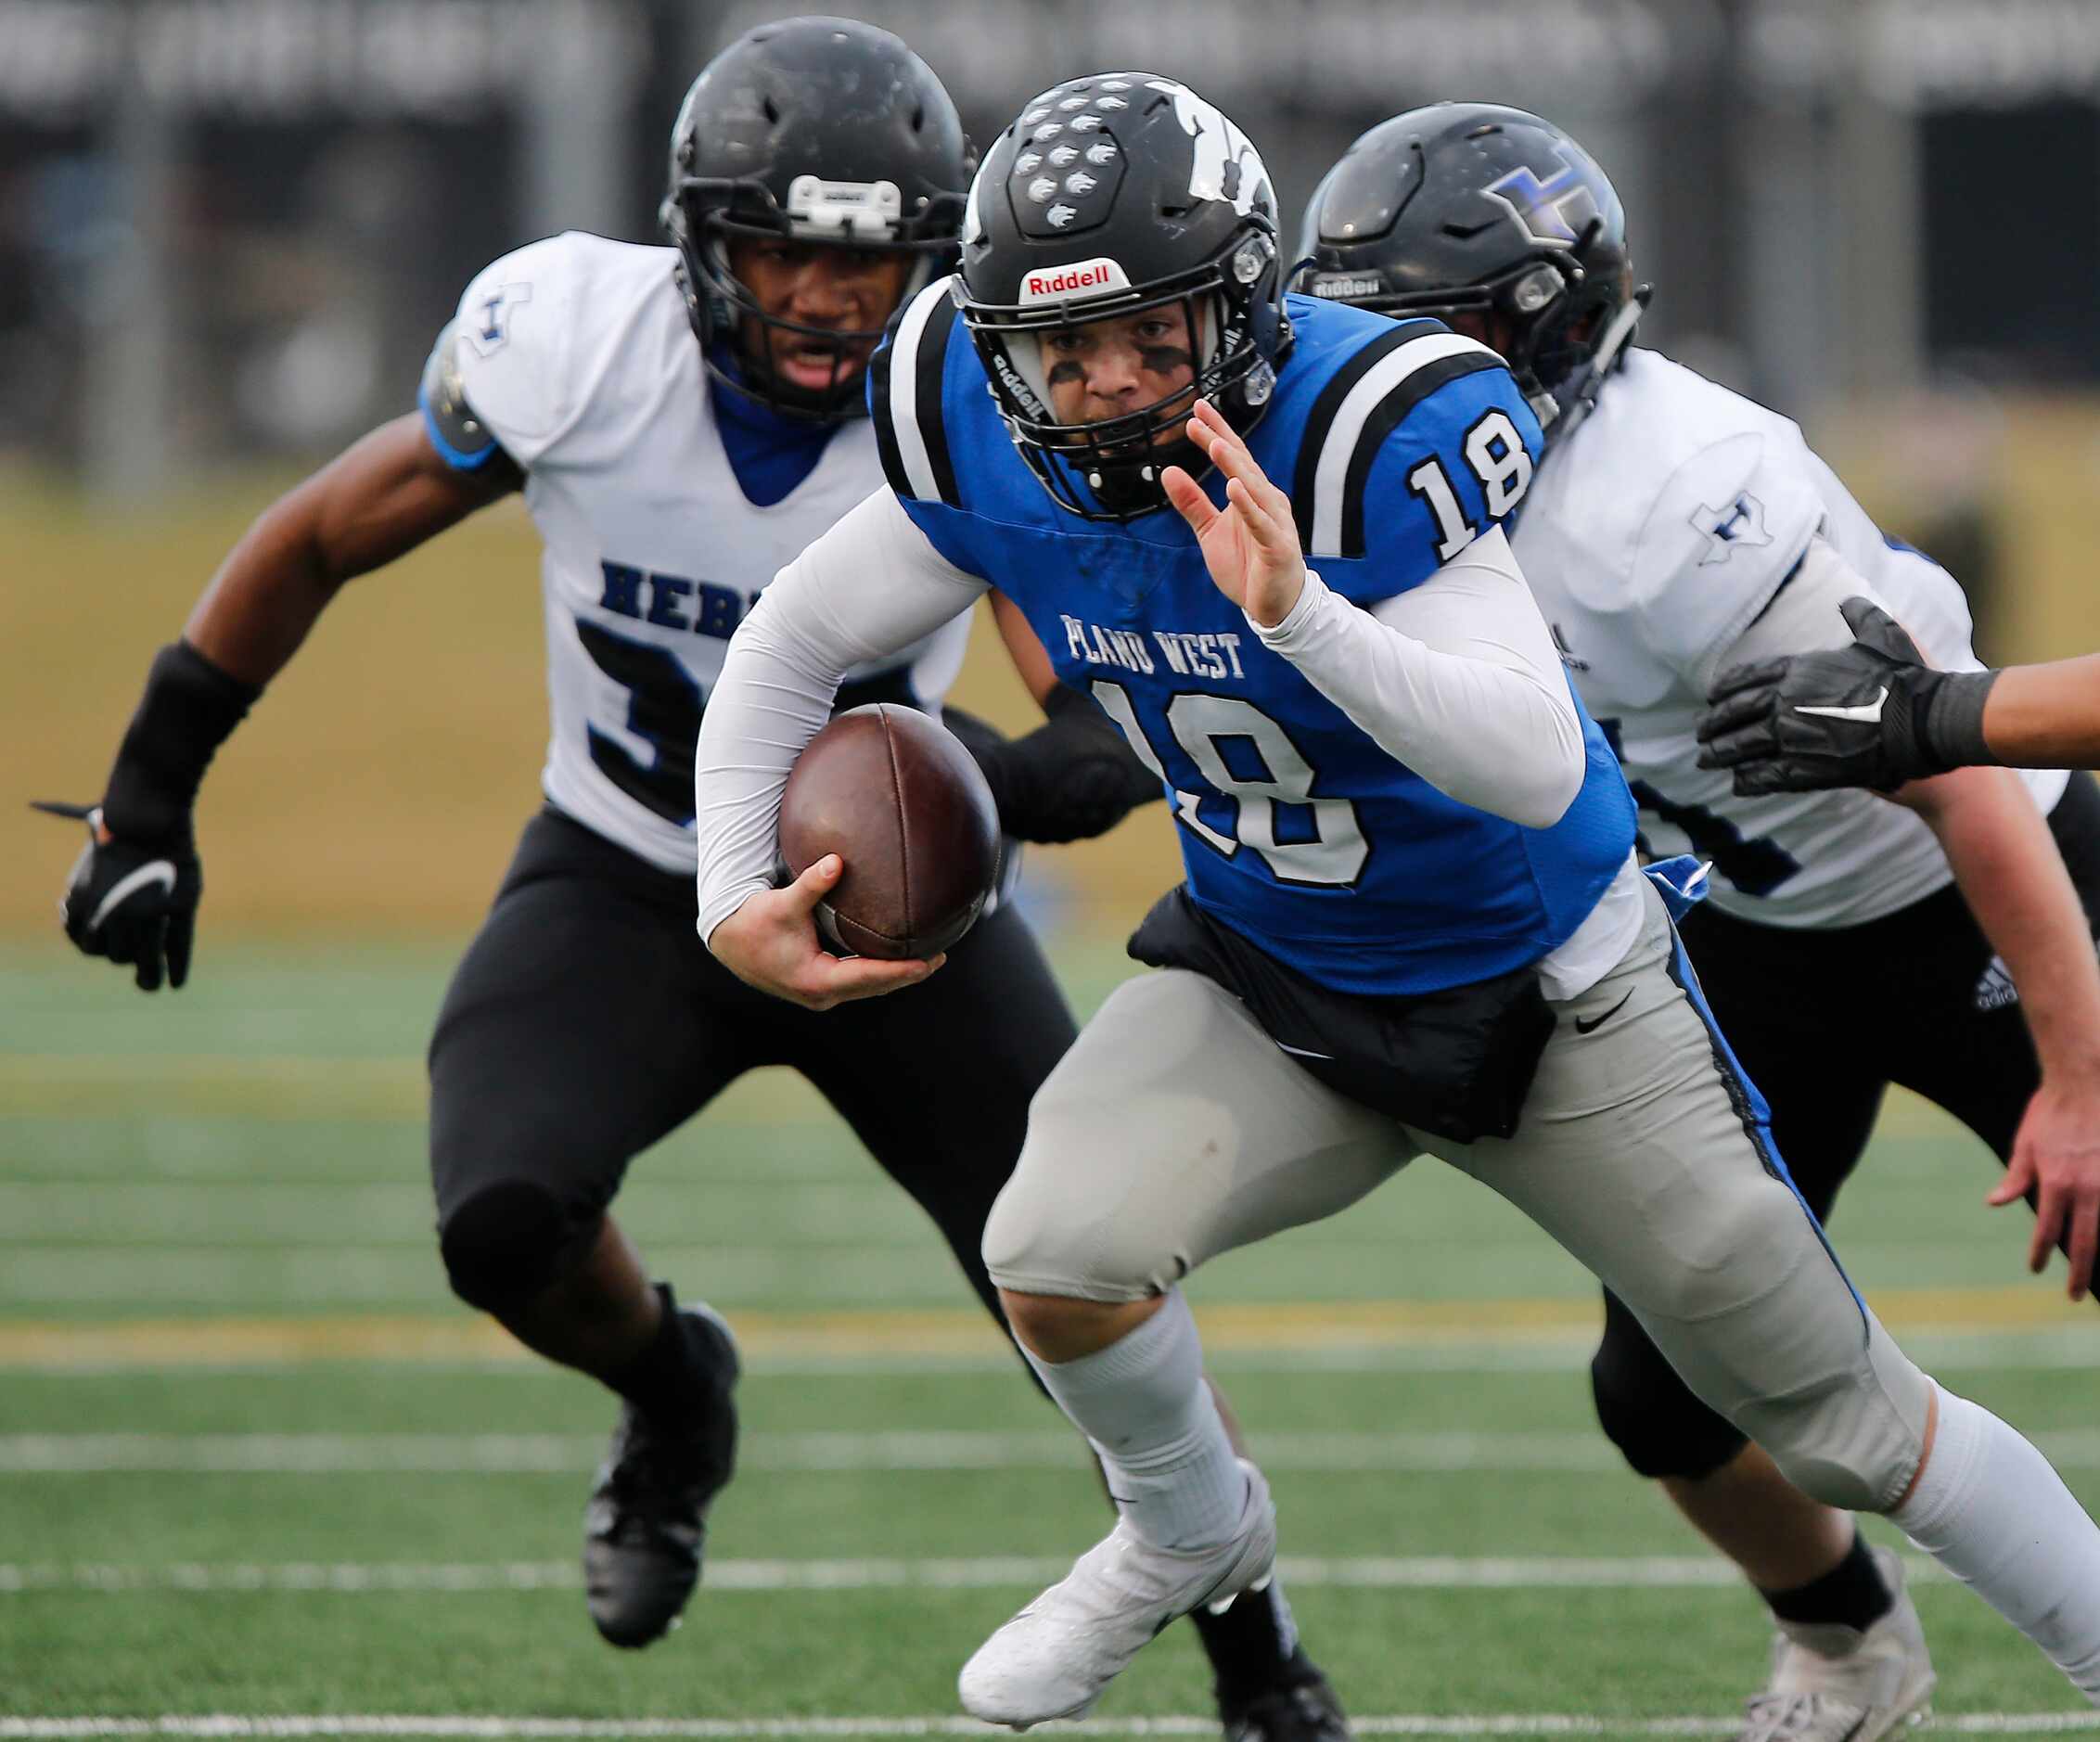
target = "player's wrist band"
x: 189, y: 708
x: 1951, y: 723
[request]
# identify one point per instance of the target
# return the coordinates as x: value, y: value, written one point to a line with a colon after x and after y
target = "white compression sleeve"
x: 1989, y: 1508
x: 1459, y: 679
x: 870, y: 586
x: 1156, y: 1428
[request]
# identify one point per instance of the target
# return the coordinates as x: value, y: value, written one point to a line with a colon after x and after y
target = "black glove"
x: 1072, y: 778
x: 1872, y: 714
x: 132, y: 896
x: 133, y: 902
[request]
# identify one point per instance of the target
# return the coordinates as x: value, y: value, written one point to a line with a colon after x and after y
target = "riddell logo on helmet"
x: 1347, y: 287
x: 1082, y: 279
x: 1019, y: 387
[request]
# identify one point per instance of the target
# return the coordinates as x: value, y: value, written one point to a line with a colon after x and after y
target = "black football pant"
x: 588, y: 1020
x: 1823, y: 1022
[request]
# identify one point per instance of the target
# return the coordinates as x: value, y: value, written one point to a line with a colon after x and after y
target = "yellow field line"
x: 1230, y: 1328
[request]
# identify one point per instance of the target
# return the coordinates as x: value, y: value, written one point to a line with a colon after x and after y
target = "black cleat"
x: 1297, y: 1711
x: 645, y: 1531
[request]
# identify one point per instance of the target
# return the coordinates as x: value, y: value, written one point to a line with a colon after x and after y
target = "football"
x: 897, y: 798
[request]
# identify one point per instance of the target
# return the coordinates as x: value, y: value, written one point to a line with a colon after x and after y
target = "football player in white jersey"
x: 816, y: 175
x: 1675, y: 528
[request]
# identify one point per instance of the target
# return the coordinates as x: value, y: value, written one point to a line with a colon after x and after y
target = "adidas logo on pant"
x: 1995, y: 990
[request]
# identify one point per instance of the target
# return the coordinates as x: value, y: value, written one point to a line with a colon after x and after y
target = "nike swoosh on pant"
x: 161, y: 871
x: 1302, y: 1052
x: 1594, y: 1023
x: 1862, y: 711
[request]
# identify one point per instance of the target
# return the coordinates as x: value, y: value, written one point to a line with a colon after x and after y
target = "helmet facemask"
x: 1108, y: 469
x: 738, y: 336
x: 1542, y: 316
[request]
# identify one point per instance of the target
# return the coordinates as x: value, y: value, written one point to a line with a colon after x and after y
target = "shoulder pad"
x: 905, y: 383
x: 1366, y: 398
x: 522, y: 335
x: 460, y: 437
x: 1725, y: 530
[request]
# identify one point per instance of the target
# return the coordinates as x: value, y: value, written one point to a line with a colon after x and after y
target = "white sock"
x: 1991, y: 1510
x: 1143, y: 1402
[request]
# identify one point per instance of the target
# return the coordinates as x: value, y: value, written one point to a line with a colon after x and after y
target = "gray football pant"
x: 1176, y: 1130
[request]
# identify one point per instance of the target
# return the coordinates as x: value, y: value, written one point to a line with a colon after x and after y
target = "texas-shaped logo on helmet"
x: 1553, y: 213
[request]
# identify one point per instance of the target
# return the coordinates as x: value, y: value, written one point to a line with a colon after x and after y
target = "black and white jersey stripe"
x: 1365, y: 401
x: 904, y: 399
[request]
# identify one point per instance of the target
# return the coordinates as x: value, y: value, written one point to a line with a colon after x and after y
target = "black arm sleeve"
x: 189, y: 709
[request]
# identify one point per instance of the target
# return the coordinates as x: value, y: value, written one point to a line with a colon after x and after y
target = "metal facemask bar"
x: 1108, y: 470
x: 1517, y: 296
x: 1578, y: 396
x: 859, y: 215
x: 1027, y: 349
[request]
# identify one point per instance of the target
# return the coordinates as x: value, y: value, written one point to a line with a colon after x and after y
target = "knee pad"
x: 1043, y: 1242
x: 507, y: 1243
x: 1649, y: 1413
x: 1853, y: 1441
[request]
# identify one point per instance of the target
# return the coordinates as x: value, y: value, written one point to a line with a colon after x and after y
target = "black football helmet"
x: 1110, y: 195
x: 1495, y: 217
x: 823, y: 130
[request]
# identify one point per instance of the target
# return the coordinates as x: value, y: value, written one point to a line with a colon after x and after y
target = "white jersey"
x: 1652, y: 538
x: 577, y: 355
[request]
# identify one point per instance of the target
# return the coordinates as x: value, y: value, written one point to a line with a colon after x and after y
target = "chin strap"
x: 1133, y: 486
x: 1563, y: 412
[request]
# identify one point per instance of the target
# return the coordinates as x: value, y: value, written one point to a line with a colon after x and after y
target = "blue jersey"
x: 1398, y: 442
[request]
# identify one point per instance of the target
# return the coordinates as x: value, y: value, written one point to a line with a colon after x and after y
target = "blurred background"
x: 254, y: 1458
x: 229, y: 230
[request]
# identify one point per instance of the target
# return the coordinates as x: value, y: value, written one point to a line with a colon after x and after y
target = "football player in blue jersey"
x: 1678, y: 529
x: 1413, y: 921
x: 655, y: 406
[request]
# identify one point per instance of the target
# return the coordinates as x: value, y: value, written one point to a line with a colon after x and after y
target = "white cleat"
x: 1056, y: 1657
x: 1830, y: 1684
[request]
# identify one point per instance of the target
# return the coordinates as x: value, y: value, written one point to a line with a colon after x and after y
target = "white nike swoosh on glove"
x: 161, y: 871
x: 1864, y: 710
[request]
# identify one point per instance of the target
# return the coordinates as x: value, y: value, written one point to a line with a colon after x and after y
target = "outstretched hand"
x: 1250, y: 546
x: 771, y: 943
x: 1849, y: 716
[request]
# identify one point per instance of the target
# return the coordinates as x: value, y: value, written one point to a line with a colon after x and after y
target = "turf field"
x: 259, y: 1476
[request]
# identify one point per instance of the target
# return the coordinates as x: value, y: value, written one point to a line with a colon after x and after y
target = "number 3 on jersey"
x: 1202, y: 725
x: 1498, y: 459
x: 663, y: 711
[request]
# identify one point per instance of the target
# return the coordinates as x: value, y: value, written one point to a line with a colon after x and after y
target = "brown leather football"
x: 899, y: 800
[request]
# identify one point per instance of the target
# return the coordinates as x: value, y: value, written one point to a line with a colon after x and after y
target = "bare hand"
x: 2056, y: 1155
x: 771, y: 943
x: 1250, y: 546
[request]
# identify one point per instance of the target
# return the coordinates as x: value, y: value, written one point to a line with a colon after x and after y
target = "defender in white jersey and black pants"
x: 1848, y: 943
x: 818, y: 168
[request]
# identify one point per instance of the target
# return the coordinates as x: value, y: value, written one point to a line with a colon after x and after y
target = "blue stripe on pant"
x: 1750, y: 1105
